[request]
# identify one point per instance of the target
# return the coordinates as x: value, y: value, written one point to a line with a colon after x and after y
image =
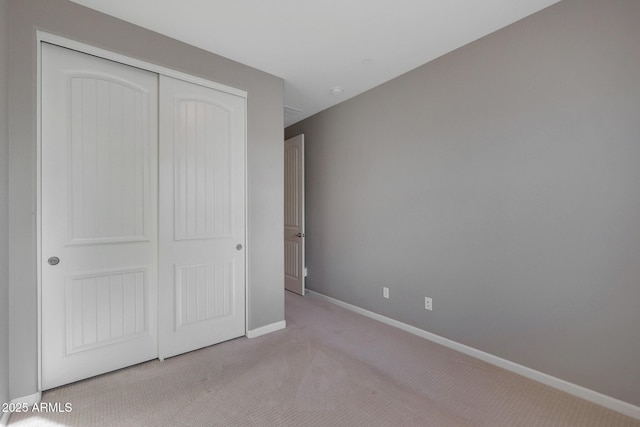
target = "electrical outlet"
x: 428, y: 303
x: 385, y: 292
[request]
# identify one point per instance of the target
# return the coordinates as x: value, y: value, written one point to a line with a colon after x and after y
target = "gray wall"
x: 4, y: 202
x: 265, y: 159
x: 503, y: 181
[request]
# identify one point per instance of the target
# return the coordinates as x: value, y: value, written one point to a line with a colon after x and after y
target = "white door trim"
x: 45, y: 37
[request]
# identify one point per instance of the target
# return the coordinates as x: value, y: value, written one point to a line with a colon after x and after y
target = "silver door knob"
x: 54, y: 260
x: 238, y: 246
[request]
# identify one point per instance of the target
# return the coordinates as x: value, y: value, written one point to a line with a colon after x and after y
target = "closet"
x: 142, y: 215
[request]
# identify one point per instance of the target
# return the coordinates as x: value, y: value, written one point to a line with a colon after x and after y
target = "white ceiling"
x: 316, y: 45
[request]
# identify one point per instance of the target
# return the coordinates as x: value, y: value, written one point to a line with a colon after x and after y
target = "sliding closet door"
x: 99, y: 216
x: 202, y: 216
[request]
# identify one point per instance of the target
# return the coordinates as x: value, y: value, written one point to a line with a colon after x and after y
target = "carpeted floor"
x: 330, y: 367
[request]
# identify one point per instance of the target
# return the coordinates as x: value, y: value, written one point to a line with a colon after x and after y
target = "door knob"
x: 238, y: 246
x: 54, y: 260
x: 299, y: 235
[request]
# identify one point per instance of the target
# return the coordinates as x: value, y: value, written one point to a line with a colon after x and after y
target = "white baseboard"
x: 267, y: 329
x: 574, y: 389
x: 32, y: 399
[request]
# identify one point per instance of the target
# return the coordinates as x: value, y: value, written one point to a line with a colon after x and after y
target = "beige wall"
x: 503, y: 181
x: 4, y: 203
x: 265, y: 159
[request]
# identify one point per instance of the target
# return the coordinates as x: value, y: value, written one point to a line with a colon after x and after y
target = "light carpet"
x: 330, y: 367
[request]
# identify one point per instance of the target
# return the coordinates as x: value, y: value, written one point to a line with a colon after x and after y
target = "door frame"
x: 45, y: 37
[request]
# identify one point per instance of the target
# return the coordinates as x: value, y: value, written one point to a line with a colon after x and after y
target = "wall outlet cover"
x: 428, y: 303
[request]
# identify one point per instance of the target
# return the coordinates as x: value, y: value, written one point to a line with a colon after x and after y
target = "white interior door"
x: 99, y: 216
x: 294, y: 265
x: 202, y: 216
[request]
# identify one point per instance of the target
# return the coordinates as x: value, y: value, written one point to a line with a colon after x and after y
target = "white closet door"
x: 99, y: 216
x: 202, y: 216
